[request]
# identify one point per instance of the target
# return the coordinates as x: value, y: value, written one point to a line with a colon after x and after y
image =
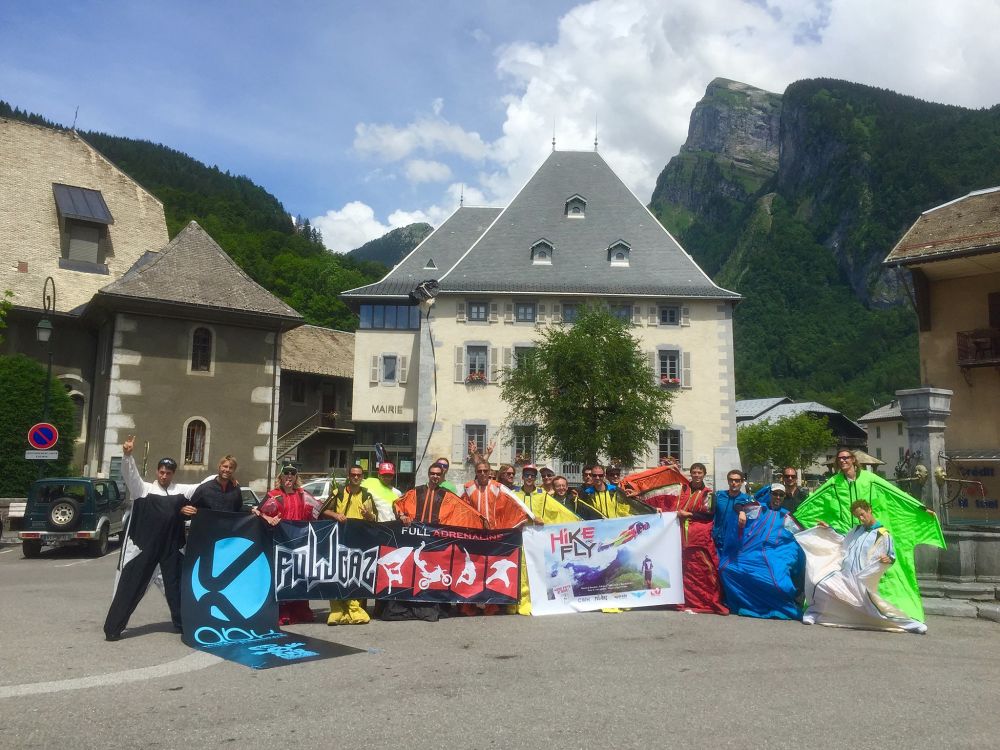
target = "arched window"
x: 201, y: 350
x: 195, y: 438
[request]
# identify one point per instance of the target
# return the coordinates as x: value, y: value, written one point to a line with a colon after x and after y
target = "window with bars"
x: 670, y: 444
x: 201, y: 350
x: 194, y: 442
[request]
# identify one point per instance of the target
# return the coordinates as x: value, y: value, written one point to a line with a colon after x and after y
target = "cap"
x: 386, y: 468
x: 543, y: 469
x: 529, y: 467
x: 289, y: 469
x: 168, y: 463
x: 776, y: 487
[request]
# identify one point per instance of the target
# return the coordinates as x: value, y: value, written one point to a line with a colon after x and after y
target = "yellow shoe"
x: 356, y: 614
x: 612, y: 611
x: 339, y: 614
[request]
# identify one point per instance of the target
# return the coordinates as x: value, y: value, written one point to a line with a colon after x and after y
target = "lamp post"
x: 43, y: 332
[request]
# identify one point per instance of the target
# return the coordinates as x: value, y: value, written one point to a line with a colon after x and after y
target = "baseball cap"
x: 529, y: 467
x: 776, y: 487
x: 289, y: 469
x: 386, y: 468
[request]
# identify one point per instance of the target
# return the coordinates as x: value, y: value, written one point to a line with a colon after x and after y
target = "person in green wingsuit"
x: 907, y: 519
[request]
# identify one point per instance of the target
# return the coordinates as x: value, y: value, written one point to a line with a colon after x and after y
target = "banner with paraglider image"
x: 627, y: 562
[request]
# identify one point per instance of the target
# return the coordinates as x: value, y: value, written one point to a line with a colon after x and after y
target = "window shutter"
x: 686, y: 450
x: 654, y: 315
x: 460, y: 312
x: 373, y: 377
x: 459, y: 364
x: 494, y: 365
x: 686, y: 370
x: 460, y: 445
x: 540, y: 314
x: 508, y: 358
x: 556, y: 314
x: 685, y: 316
x: 655, y: 366
x: 637, y: 315
x: 494, y: 314
x: 404, y: 362
x: 508, y: 312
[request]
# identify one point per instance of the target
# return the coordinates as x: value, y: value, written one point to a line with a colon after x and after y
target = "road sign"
x: 41, y: 455
x: 43, y: 436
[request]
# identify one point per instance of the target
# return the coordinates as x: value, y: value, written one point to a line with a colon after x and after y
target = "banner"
x: 415, y: 562
x: 617, y: 562
x: 227, y: 597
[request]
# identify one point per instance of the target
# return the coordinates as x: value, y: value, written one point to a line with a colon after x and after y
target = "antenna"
x: 461, y: 196
x: 553, y: 133
x: 595, y: 131
x: 73, y: 126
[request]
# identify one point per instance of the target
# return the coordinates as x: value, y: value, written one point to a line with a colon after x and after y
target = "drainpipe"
x: 274, y: 399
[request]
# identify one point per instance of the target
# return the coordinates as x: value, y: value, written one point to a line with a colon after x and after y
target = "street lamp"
x: 43, y: 332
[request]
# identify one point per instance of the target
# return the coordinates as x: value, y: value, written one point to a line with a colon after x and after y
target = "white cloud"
x: 349, y: 227
x: 427, y: 134
x: 423, y: 170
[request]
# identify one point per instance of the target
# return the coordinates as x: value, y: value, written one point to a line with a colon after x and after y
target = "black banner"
x: 227, y: 595
x: 415, y: 562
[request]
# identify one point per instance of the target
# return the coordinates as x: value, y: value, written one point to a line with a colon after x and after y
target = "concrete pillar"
x: 925, y: 411
x: 426, y: 394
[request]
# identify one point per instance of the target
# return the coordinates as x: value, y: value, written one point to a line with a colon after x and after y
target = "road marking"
x: 4, y: 552
x: 190, y: 663
x: 69, y: 565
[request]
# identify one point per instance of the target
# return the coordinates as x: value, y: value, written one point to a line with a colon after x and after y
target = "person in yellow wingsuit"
x: 353, y: 501
x: 547, y: 510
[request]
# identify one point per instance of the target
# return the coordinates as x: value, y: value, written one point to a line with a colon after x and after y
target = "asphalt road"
x: 641, y: 679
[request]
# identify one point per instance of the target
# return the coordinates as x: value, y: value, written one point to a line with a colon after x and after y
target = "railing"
x: 979, y: 348
x: 312, y: 421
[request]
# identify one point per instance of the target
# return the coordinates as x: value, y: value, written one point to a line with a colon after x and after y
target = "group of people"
x: 779, y: 553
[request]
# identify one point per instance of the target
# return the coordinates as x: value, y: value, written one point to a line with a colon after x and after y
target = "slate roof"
x: 193, y: 270
x: 318, y: 351
x: 838, y: 422
x: 500, y: 259
x: 889, y: 411
x: 749, y: 408
x: 965, y: 226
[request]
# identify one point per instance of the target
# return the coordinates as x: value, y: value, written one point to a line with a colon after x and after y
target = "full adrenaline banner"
x: 617, y: 562
x: 414, y: 562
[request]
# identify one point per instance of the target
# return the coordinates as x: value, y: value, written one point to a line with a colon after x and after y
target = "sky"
x: 367, y: 115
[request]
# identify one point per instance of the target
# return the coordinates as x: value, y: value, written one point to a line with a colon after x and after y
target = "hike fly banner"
x: 414, y: 562
x: 227, y: 596
x: 617, y: 562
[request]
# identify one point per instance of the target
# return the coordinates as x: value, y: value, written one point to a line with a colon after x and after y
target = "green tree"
x: 22, y: 381
x: 792, y: 441
x: 4, y: 308
x: 589, y: 389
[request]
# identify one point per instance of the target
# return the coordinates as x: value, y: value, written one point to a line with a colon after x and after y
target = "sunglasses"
x: 355, y: 476
x: 547, y: 476
x: 597, y: 476
x: 844, y: 458
x: 790, y: 476
x: 289, y: 472
x: 434, y: 474
x: 733, y: 480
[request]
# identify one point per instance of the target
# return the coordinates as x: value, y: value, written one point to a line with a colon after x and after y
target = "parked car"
x: 77, y: 510
x: 250, y: 498
x: 320, y: 486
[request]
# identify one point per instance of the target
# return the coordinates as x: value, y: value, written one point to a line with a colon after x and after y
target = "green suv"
x: 77, y: 510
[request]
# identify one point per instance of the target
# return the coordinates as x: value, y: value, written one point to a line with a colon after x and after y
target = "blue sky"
x: 368, y: 115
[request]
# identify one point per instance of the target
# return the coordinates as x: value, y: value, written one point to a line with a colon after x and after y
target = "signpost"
x: 43, y: 436
x: 41, y: 455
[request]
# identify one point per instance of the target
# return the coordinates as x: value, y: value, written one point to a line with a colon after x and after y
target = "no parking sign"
x: 43, y: 436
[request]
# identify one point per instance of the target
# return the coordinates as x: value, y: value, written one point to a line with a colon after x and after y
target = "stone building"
x: 888, y: 439
x: 426, y: 383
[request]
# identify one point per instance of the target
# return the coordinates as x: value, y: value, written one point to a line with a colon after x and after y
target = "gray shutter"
x: 494, y: 371
x: 686, y: 449
x: 540, y: 314
x: 508, y: 312
x: 404, y: 362
x: 460, y: 312
x: 459, y: 364
x: 654, y: 315
x: 84, y: 242
x: 685, y: 369
x: 494, y: 312
x: 637, y: 315
x: 460, y: 446
x: 685, y: 316
x: 373, y: 376
x: 556, y: 314
x: 508, y: 358
x: 655, y: 365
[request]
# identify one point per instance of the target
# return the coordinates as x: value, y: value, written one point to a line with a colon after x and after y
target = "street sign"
x: 41, y: 455
x: 43, y: 436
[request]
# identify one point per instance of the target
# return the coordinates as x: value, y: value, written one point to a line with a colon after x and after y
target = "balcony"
x: 979, y: 348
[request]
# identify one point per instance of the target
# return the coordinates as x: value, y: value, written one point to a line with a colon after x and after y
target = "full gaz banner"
x: 409, y: 562
x: 617, y: 562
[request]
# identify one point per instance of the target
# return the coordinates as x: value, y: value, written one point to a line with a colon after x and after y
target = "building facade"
x: 427, y: 377
x: 888, y: 439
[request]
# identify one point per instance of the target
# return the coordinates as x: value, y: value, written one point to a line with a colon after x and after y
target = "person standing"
x: 355, y: 502
x: 607, y: 501
x: 289, y: 502
x: 547, y: 476
x: 432, y: 504
x: 494, y: 501
x: 794, y: 494
x: 726, y: 502
x: 445, y: 465
x: 153, y: 537
x: 222, y: 494
x: 383, y: 491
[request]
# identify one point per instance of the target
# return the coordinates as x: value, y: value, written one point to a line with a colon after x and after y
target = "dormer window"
x: 618, y: 253
x: 83, y: 225
x: 576, y: 207
x: 541, y: 253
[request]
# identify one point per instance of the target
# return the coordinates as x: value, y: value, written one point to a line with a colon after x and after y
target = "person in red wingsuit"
x: 695, y: 512
x: 289, y: 502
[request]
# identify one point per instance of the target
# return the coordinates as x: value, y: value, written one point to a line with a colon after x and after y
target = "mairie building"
x: 427, y: 380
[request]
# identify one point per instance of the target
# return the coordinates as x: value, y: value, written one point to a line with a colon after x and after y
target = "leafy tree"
x: 4, y: 308
x: 21, y: 381
x: 589, y: 389
x: 792, y: 441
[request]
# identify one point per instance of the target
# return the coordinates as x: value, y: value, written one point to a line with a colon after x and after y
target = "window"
x: 541, y: 253
x: 670, y: 316
x: 391, y: 317
x: 524, y: 312
x: 669, y: 367
x: 523, y: 356
x: 78, y: 413
x: 338, y: 458
x: 618, y: 253
x: 201, y: 350
x: 570, y: 312
x: 878, y: 433
x: 622, y: 312
x: 899, y: 428
x: 477, y: 364
x: 878, y: 453
x: 297, y: 390
x: 194, y: 442
x: 476, y: 433
x: 523, y: 443
x: 670, y: 444
x: 83, y: 223
x: 478, y: 311
x: 901, y: 451
x: 389, y: 368
x: 576, y: 207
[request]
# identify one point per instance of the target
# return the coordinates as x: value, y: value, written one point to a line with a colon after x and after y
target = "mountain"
x: 393, y: 246
x: 250, y: 224
x: 793, y: 200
